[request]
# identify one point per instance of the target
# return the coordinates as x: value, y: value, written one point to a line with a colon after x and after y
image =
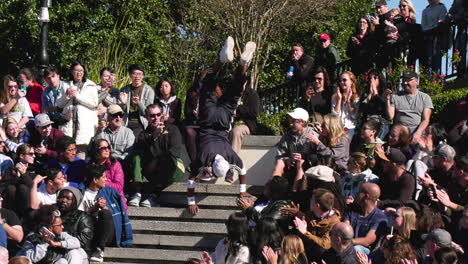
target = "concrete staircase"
x: 169, y: 234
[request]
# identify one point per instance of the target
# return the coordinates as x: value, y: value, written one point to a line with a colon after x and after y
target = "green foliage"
x: 442, y: 100
x: 278, y: 122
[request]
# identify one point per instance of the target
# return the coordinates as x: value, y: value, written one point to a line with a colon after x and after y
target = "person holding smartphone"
x: 48, y: 243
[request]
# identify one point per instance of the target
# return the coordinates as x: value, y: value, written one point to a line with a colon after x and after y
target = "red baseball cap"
x: 324, y: 36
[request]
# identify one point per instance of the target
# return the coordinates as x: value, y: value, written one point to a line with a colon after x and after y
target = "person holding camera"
x: 48, y: 243
x: 157, y: 155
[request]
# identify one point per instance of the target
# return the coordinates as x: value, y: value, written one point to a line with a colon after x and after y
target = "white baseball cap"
x: 300, y: 114
x: 220, y: 166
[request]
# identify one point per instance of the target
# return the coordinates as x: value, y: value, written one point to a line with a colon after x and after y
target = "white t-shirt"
x: 45, y: 197
x: 89, y: 199
x: 20, y: 110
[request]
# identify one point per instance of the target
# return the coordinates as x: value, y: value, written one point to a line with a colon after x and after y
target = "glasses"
x: 104, y: 148
x: 155, y: 115
x: 402, y: 6
x: 323, y: 40
x: 137, y: 74
x: 30, y: 154
x: 120, y: 114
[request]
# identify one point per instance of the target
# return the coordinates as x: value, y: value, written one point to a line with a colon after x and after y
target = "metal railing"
x: 285, y: 96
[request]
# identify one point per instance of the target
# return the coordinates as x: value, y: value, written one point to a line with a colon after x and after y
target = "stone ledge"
x: 151, y: 255
x: 179, y: 213
x: 260, y: 141
x: 177, y: 241
x: 178, y: 227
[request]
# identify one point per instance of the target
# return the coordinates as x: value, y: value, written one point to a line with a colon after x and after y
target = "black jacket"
x: 167, y: 145
x: 80, y: 225
x: 249, y: 109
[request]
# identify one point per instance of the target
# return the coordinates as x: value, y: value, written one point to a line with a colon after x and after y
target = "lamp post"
x: 43, y: 19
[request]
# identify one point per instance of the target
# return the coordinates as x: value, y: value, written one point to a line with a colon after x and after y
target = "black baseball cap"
x: 409, y: 75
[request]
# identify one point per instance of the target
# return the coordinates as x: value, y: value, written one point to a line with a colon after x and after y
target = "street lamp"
x: 43, y: 19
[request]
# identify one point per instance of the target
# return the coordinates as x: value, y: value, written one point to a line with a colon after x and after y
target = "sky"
x: 419, y: 5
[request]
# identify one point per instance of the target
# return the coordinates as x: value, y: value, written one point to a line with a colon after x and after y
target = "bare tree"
x: 261, y: 21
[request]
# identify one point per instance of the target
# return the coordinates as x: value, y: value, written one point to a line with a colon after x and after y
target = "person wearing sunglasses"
x: 44, y: 138
x: 120, y: 138
x: 49, y: 243
x: 157, y: 158
x: 327, y: 56
x: 18, y: 180
x: 101, y: 154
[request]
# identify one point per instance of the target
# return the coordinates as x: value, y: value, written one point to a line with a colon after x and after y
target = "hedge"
x: 442, y: 100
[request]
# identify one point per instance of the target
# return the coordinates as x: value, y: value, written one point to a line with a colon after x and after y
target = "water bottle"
x: 290, y: 72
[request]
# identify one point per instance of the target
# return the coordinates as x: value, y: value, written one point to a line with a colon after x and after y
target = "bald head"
x: 343, y: 230
x: 372, y: 189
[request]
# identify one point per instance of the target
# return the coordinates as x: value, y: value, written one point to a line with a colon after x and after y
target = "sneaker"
x: 248, y: 52
x: 97, y: 256
x: 227, y: 53
x: 229, y: 176
x: 135, y: 200
x: 151, y: 201
x: 205, y: 176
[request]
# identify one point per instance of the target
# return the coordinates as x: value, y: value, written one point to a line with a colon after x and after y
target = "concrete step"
x: 206, y: 242
x: 178, y: 214
x: 214, y: 189
x: 203, y: 201
x: 145, y: 255
x: 180, y: 228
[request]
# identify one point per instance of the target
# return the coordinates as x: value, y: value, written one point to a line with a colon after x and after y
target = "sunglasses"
x: 104, y: 148
x: 120, y: 114
x: 402, y: 6
x: 323, y: 40
x: 155, y: 115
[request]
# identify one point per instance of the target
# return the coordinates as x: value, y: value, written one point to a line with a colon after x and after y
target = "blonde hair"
x: 292, y: 248
x: 409, y: 3
x: 334, y: 126
x: 4, y: 94
x: 353, y: 80
x: 409, y: 220
x: 394, y: 11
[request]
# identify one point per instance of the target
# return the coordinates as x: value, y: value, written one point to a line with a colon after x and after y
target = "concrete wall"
x: 258, y: 154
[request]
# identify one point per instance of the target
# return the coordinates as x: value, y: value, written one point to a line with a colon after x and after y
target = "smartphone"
x: 45, y: 230
x: 24, y: 87
x: 433, y: 189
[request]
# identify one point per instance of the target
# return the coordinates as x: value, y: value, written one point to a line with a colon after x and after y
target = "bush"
x: 444, y: 99
x: 273, y: 124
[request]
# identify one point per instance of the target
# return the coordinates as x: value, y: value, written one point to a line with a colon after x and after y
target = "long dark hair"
x: 382, y: 80
x: 269, y: 234
x: 94, y: 151
x: 238, y: 231
x: 326, y: 78
x: 85, y: 72
x: 158, y: 87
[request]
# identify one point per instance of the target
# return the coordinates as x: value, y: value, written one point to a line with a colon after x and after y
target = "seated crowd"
x: 357, y: 177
